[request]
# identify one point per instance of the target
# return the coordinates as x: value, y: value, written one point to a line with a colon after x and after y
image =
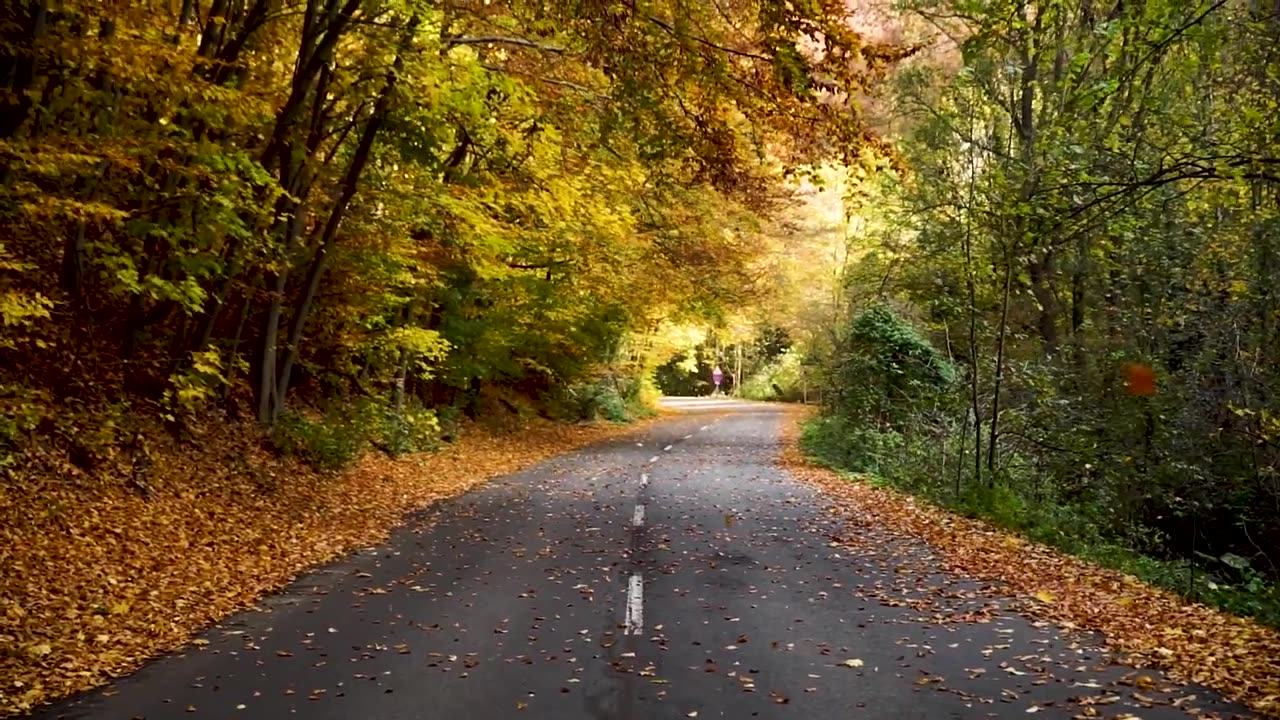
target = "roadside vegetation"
x: 1063, y: 316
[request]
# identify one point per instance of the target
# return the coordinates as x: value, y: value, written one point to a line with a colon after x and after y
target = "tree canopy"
x: 232, y: 199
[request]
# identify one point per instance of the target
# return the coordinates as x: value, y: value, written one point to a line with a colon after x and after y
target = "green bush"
x: 336, y: 440
x: 616, y: 399
x: 413, y: 429
x: 603, y: 401
x: 886, y: 370
x: 21, y: 410
x: 778, y: 380
x: 331, y: 443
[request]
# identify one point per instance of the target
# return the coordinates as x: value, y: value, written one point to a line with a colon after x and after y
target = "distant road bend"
x: 678, y: 573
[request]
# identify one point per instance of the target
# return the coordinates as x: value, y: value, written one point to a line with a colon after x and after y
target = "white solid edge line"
x: 635, y: 605
x: 637, y: 519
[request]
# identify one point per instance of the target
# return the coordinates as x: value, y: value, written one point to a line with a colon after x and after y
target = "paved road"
x: 675, y: 574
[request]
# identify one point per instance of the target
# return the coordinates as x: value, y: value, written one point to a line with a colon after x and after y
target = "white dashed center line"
x: 637, y: 519
x: 634, y: 621
x: 644, y: 480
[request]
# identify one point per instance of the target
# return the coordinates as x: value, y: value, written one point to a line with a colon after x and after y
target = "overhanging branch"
x: 450, y: 42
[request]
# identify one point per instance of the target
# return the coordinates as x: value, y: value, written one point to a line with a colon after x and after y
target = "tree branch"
x: 703, y: 41
x: 450, y: 42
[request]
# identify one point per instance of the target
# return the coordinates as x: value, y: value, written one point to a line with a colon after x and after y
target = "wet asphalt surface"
x: 548, y: 594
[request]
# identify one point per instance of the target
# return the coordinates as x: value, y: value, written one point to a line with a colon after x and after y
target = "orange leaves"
x: 1148, y: 626
x: 106, y: 578
x: 1139, y: 379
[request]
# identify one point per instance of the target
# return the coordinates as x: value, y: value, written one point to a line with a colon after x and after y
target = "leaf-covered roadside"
x: 1150, y: 627
x: 97, y: 577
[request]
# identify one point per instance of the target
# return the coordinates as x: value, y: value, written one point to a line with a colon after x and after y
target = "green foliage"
x: 332, y: 441
x: 21, y: 410
x: 612, y: 398
x: 1086, y: 227
x: 412, y: 429
x: 887, y: 369
x: 196, y: 384
x: 1026, y: 504
x: 780, y: 379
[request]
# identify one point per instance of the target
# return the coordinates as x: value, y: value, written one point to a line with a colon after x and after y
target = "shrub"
x: 778, y: 380
x: 413, y: 429
x: 613, y: 398
x: 332, y: 442
x: 336, y: 440
x: 887, y: 370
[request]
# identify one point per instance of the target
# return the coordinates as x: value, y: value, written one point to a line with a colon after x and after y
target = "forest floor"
x: 1147, y: 626
x: 98, y: 574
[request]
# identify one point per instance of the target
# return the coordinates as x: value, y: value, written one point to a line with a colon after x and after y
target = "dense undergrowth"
x: 888, y: 423
x: 333, y: 437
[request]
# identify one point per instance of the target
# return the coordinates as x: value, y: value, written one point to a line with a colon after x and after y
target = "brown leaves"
x: 107, y: 578
x: 1149, y: 626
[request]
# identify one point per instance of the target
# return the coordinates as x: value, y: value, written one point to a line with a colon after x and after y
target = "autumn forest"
x: 268, y: 266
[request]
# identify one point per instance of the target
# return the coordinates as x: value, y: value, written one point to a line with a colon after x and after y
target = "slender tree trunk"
x: 402, y: 369
x: 234, y: 346
x: 737, y: 370
x: 350, y: 184
x: 270, y: 336
x: 971, y: 282
x: 1079, y: 275
x: 995, y: 393
x: 1041, y: 273
x: 76, y: 242
x: 24, y: 23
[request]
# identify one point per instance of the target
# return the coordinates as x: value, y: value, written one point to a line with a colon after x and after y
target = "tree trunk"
x: 995, y: 394
x: 1041, y: 272
x: 971, y: 282
x: 350, y: 184
x: 1079, y: 275
x: 24, y: 24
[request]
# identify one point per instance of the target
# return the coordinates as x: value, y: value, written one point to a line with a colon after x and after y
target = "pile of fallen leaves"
x: 1150, y: 627
x: 100, y: 573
